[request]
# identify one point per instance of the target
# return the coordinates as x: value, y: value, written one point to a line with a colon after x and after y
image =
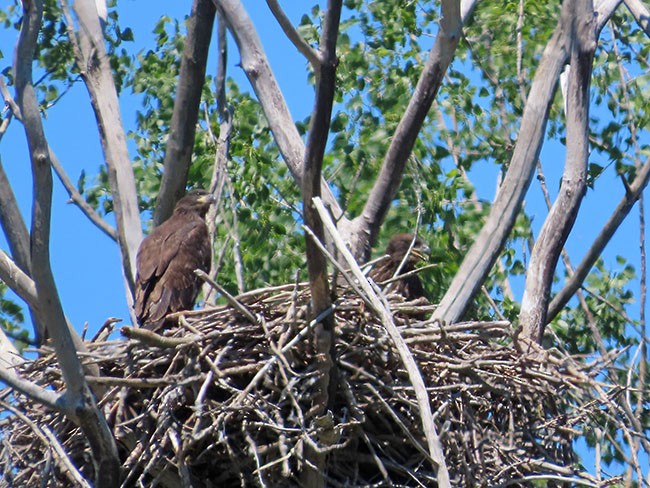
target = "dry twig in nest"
x: 231, y: 405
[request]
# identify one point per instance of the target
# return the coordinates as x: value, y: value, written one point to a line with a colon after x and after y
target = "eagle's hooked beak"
x: 421, y: 252
x: 209, y: 198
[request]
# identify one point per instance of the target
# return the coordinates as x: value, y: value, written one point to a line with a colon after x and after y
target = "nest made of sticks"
x: 223, y: 400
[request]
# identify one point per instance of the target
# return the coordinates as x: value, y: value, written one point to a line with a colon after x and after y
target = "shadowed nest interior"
x: 226, y: 401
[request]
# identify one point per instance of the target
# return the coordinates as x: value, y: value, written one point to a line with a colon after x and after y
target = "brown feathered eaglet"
x: 411, y: 286
x: 167, y: 258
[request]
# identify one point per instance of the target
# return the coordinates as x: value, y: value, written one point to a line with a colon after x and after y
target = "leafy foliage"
x: 11, y: 319
x: 470, y: 131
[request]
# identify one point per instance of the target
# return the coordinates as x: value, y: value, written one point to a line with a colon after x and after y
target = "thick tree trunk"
x: 78, y: 398
x: 180, y: 144
x: 96, y: 71
x: 556, y: 228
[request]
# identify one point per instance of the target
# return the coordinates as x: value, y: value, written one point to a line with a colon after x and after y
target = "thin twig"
x: 293, y: 35
x: 46, y: 436
x: 231, y: 299
x: 435, y: 447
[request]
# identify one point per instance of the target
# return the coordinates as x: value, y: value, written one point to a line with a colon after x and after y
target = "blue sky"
x: 86, y: 263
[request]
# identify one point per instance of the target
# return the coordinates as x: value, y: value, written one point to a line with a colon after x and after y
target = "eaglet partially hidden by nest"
x: 409, y: 287
x: 167, y: 258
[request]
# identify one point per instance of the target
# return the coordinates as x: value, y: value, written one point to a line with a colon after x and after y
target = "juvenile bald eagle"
x: 167, y: 258
x: 411, y: 286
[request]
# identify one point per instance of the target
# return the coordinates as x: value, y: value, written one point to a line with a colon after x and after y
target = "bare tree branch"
x: 256, y: 66
x: 591, y: 320
x: 95, y: 70
x: 402, y: 142
x: 180, y: 143
x: 78, y: 397
x: 9, y: 355
x: 75, y: 196
x: 633, y: 193
x: 559, y: 222
x: 18, y: 280
x: 640, y: 13
x: 604, y: 11
x: 316, y: 262
x: 292, y: 33
x: 78, y: 199
x: 222, y: 144
x: 13, y: 223
x: 490, y: 240
x: 485, y: 250
x: 44, y: 396
x: 623, y: 208
x: 16, y: 273
x: 382, y: 309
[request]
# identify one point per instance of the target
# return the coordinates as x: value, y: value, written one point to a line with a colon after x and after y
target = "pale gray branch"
x: 78, y: 199
x: 382, y: 308
x: 619, y: 214
x: 95, y: 69
x: 604, y: 11
x: 46, y: 397
x: 18, y: 280
x: 78, y: 400
x: 559, y: 222
x: 9, y: 100
x: 292, y: 33
x: 222, y: 143
x: 13, y: 223
x: 640, y: 13
x: 490, y: 240
x: 9, y: 356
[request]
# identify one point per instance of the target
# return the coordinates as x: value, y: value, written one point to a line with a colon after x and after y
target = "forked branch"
x: 256, y: 66
x: 490, y: 240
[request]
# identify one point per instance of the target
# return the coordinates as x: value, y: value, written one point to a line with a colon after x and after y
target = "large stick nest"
x: 224, y: 401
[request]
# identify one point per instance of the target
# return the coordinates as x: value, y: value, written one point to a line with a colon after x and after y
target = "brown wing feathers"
x: 167, y: 258
x: 411, y: 286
